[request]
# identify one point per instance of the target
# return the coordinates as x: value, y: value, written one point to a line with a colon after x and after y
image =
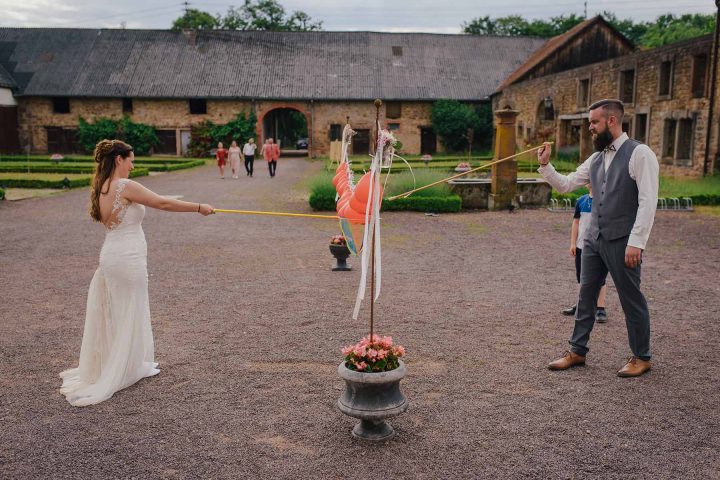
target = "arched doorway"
x: 289, y: 128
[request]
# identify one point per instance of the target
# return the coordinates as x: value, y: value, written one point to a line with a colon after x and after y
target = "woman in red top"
x: 221, y: 156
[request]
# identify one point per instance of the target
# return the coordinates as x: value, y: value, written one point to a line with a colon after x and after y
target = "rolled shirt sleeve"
x: 644, y: 169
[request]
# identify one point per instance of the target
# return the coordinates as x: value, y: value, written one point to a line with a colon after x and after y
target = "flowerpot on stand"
x: 372, y: 397
x: 341, y: 254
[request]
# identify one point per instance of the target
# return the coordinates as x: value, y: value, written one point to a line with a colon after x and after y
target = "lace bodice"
x: 124, y: 213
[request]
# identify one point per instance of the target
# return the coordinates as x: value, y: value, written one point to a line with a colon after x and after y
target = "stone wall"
x: 604, y: 82
x: 35, y: 114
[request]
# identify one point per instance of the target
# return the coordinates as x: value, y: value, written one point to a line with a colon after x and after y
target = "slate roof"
x: 260, y: 65
x: 6, y: 81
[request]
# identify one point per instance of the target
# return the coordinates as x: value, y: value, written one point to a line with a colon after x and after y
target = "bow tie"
x: 611, y: 148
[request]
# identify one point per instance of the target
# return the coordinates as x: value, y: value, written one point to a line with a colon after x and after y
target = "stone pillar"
x: 504, y: 175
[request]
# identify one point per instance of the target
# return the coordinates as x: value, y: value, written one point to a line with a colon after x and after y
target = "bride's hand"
x: 206, y: 209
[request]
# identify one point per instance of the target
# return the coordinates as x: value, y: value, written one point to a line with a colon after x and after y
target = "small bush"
x: 449, y: 204
x: 2, y: 194
x: 142, y: 137
x: 31, y: 182
x: 205, y: 135
x: 436, y: 199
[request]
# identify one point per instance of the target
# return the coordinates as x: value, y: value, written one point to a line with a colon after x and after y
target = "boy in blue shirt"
x: 581, y: 221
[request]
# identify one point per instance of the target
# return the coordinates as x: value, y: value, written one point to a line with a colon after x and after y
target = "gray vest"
x: 615, y: 195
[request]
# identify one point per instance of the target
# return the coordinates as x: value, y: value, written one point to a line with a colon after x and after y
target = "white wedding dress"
x: 117, y: 346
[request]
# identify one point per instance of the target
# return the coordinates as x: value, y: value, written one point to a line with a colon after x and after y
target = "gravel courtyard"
x: 249, y: 321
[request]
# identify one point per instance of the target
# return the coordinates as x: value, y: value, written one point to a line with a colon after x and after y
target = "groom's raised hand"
x: 543, y: 154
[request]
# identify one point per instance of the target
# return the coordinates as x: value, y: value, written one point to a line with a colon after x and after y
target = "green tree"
x: 664, y: 30
x: 631, y: 30
x: 205, y: 136
x: 515, y: 25
x: 194, y: 19
x: 484, y: 128
x: 670, y: 29
x: 451, y: 121
x: 267, y: 15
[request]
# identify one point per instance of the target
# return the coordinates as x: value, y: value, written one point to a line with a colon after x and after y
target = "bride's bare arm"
x: 137, y: 193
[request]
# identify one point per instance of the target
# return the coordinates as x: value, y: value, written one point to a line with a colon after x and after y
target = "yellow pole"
x: 277, y: 214
x: 407, y: 194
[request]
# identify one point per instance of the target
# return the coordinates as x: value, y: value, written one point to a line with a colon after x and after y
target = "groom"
x: 624, y: 178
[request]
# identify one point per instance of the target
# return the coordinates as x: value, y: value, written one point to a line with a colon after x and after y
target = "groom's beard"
x: 602, y: 140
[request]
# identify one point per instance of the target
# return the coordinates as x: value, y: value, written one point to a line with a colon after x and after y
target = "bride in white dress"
x: 117, y: 346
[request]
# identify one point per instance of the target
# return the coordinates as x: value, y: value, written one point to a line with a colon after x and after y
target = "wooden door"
x: 428, y: 141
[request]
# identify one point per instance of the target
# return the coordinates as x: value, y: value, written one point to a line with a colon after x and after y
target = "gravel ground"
x: 249, y: 321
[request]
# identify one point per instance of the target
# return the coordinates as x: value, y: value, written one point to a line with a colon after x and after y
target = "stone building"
x: 173, y: 80
x: 666, y: 92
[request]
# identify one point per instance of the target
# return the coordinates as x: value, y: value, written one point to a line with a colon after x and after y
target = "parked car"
x: 302, y: 144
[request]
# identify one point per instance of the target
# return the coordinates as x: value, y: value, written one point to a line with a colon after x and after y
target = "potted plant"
x: 339, y: 249
x: 372, y: 371
x: 462, y: 167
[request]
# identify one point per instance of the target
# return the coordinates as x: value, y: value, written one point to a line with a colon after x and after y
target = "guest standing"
x: 249, y: 153
x: 234, y: 153
x: 275, y: 158
x: 578, y: 234
x: 221, y: 156
x: 267, y: 153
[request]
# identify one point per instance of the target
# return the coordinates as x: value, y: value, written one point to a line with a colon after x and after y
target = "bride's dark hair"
x: 105, y: 153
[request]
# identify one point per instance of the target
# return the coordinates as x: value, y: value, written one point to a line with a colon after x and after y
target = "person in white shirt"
x: 249, y: 154
x: 624, y: 175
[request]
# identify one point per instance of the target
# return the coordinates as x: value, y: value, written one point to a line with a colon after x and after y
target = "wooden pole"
x: 378, y: 104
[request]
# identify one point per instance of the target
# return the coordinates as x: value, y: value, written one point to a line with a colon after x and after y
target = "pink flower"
x: 372, y: 353
x: 399, y: 351
x: 346, y: 351
x: 381, y: 354
x: 361, y: 365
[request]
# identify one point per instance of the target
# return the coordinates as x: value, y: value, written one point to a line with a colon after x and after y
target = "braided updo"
x: 105, y: 153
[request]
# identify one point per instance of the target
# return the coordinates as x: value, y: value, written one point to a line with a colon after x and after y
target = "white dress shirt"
x: 249, y: 149
x: 643, y: 168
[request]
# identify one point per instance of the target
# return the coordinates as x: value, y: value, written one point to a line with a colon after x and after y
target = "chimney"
x: 191, y: 36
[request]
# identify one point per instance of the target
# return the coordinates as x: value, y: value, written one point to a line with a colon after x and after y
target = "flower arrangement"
x: 378, y: 355
x: 338, y: 240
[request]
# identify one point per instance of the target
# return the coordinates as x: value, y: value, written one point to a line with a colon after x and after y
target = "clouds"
x: 434, y: 16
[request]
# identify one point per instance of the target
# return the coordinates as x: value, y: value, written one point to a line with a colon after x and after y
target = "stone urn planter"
x: 341, y: 254
x: 372, y: 397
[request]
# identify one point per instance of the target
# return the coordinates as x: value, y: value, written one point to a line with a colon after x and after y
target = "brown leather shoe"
x: 569, y: 359
x: 634, y: 367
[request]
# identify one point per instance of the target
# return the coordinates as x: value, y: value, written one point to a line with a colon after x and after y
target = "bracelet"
x: 198, y: 208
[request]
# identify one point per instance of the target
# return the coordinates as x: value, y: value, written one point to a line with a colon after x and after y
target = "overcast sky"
x: 437, y: 16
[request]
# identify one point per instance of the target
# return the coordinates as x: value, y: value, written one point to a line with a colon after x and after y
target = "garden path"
x: 249, y: 321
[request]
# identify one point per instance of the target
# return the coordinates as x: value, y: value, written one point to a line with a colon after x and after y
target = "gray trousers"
x: 598, y: 258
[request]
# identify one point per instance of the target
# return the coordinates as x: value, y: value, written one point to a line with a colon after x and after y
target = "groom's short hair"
x: 610, y: 106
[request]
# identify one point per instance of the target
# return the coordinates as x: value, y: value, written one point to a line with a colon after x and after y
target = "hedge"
x: 72, y: 158
x: 72, y: 183
x: 450, y: 204
x: 323, y: 198
x: 2, y: 194
x: 90, y: 168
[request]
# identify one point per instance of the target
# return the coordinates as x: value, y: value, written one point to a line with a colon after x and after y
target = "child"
x: 581, y: 222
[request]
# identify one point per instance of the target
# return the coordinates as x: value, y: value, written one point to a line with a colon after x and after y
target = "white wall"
x: 6, y: 97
